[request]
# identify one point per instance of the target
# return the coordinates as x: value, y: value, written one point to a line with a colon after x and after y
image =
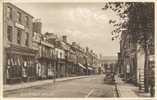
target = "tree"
x: 138, y: 19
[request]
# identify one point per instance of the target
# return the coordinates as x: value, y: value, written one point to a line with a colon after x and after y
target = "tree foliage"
x: 135, y: 17
x: 138, y: 22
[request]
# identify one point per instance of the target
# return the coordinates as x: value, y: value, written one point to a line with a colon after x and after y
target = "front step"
x: 141, y: 81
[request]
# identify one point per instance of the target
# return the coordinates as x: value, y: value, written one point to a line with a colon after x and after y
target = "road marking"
x: 89, y: 93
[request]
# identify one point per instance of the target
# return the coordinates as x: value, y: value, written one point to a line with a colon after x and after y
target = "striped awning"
x: 90, y: 68
x: 81, y: 66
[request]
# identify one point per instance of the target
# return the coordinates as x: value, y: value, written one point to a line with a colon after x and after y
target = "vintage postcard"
x: 78, y: 49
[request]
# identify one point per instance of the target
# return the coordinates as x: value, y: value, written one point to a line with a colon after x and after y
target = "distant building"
x: 92, y: 61
x: 109, y: 62
x: 80, y: 60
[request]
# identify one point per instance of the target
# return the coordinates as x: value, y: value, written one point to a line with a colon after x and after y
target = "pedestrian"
x: 127, y: 72
x: 54, y: 76
x: 152, y: 83
x: 24, y: 71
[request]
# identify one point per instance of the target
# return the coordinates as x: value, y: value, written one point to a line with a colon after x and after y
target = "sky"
x: 85, y: 23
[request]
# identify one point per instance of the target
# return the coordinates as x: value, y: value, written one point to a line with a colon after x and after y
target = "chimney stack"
x: 37, y: 26
x: 87, y: 49
x: 64, y: 38
x: 73, y: 43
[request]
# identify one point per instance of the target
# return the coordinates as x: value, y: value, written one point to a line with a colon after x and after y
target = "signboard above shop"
x: 19, y: 26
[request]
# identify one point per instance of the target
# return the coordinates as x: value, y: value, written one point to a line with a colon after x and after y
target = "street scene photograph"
x: 78, y: 49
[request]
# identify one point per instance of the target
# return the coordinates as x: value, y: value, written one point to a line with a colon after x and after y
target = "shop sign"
x: 19, y: 26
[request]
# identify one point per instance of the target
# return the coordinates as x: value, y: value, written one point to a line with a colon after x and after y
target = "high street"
x: 92, y: 86
x: 78, y: 50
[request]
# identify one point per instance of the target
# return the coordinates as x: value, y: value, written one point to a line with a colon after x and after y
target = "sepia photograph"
x: 78, y: 49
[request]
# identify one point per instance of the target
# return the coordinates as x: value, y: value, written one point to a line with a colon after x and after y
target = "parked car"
x: 109, y: 78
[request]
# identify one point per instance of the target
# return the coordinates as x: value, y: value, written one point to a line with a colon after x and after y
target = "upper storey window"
x: 19, y: 17
x: 9, y: 12
x: 9, y: 33
x: 27, y: 21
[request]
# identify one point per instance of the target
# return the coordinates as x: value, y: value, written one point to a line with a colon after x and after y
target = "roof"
x: 8, y: 3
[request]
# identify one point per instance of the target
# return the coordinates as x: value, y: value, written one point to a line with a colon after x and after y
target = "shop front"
x: 45, y: 68
x: 82, y: 69
x: 60, y: 68
x: 20, y: 65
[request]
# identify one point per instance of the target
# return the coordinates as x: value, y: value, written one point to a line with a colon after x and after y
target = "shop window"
x: 9, y: 12
x: 24, y: 73
x: 19, y: 17
x: 9, y: 33
x: 19, y: 33
x: 13, y: 71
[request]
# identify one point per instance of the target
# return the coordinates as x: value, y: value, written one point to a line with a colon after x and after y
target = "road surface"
x: 93, y: 86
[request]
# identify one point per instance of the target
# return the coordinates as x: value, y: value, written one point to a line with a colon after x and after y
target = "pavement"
x: 36, y: 83
x: 127, y: 90
x: 91, y: 86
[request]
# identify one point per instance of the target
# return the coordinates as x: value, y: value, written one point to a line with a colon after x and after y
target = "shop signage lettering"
x: 19, y: 26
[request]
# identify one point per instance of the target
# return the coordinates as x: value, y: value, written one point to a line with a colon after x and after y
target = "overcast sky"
x: 84, y: 23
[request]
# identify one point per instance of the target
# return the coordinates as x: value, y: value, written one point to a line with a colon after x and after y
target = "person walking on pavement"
x: 127, y: 72
x: 54, y: 76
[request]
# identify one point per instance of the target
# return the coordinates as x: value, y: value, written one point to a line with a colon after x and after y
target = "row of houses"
x: 132, y: 63
x: 29, y: 54
x: 136, y: 59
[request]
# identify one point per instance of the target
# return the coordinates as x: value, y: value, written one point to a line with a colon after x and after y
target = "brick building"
x: 18, y: 54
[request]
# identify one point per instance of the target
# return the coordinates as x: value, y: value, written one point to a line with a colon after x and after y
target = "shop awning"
x: 82, y: 66
x: 90, y: 68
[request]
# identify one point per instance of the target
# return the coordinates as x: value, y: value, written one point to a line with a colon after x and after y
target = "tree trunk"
x: 146, y: 84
